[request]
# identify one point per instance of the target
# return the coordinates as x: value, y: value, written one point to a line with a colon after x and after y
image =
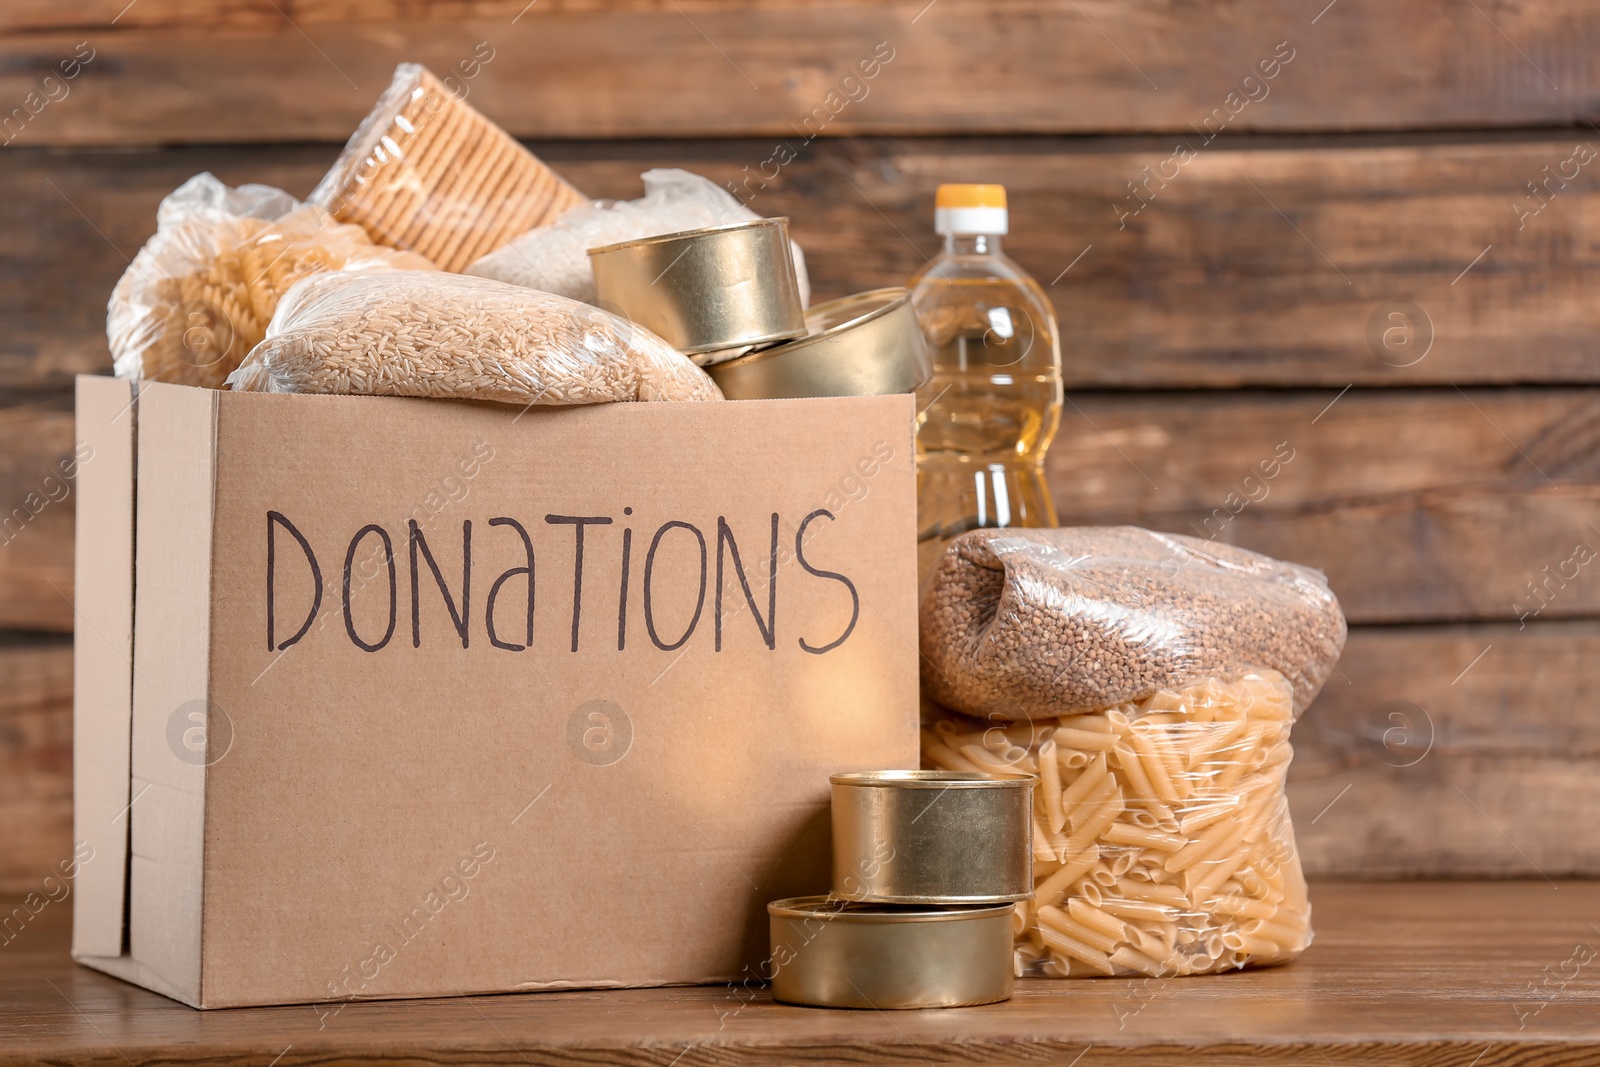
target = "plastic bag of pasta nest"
x: 429, y: 333
x: 200, y: 293
x: 1162, y: 844
x: 555, y: 257
x: 1030, y: 624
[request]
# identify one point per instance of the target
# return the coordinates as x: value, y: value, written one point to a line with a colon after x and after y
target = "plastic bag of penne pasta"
x: 1162, y: 843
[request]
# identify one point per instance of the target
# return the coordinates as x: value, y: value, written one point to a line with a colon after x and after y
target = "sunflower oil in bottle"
x: 991, y: 409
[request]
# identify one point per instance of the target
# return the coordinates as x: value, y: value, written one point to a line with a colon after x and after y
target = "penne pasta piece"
x: 1073, y: 760
x: 1042, y: 849
x: 1124, y: 908
x: 1088, y: 890
x: 1052, y: 918
x: 984, y: 760
x: 1241, y: 907
x: 1133, y: 960
x: 1050, y: 786
x: 1153, y: 764
x: 1091, y: 779
x: 1121, y: 863
x: 1219, y: 838
x: 1088, y: 915
x: 1288, y: 934
x: 1091, y: 723
x: 1200, y: 814
x: 1091, y: 804
x: 1139, y: 836
x: 1100, y: 875
x: 946, y: 758
x: 1218, y: 740
x: 1157, y: 939
x: 1090, y: 740
x: 1054, y: 887
x: 1212, y: 873
x: 1077, y: 950
x: 1253, y: 946
x: 1155, y: 894
x: 1096, y: 823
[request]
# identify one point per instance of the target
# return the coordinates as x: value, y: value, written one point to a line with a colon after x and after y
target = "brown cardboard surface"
x: 102, y: 661
x: 173, y: 625
x: 612, y: 805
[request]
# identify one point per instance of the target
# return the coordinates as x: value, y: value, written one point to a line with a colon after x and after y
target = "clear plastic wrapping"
x: 426, y: 172
x: 429, y: 333
x: 200, y: 293
x: 1020, y: 624
x: 555, y: 257
x: 1162, y: 843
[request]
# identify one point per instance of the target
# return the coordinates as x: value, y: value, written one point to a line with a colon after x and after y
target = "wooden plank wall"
x: 1384, y: 262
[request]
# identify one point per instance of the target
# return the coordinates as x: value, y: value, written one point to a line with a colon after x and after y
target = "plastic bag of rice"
x: 200, y: 293
x: 555, y: 257
x: 1035, y: 624
x: 429, y: 333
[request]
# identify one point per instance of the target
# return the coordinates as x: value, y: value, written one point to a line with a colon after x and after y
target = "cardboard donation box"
x: 383, y: 697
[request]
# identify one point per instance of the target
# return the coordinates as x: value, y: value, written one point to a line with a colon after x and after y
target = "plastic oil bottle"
x: 993, y: 404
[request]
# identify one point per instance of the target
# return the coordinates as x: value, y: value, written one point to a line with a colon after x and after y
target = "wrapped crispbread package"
x: 425, y: 171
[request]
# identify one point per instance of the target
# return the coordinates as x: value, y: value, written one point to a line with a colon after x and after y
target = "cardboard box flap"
x: 102, y: 662
x: 172, y: 728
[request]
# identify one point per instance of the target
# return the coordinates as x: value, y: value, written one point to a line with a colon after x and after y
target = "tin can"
x: 703, y: 290
x: 863, y: 345
x: 831, y: 953
x: 932, y: 837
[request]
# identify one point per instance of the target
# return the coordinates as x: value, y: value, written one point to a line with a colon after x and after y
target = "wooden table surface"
x: 1473, y: 973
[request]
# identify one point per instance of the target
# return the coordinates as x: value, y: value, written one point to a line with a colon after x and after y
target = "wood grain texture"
x: 173, y: 72
x: 35, y: 759
x: 1209, y: 286
x: 36, y: 515
x: 1426, y: 973
x: 1452, y: 751
x: 1420, y: 505
x: 1442, y: 751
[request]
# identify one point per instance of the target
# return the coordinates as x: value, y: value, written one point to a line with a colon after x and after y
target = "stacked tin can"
x: 927, y: 868
x: 729, y: 299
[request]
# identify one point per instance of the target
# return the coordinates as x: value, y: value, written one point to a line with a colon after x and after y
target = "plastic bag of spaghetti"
x: 1161, y: 836
x: 200, y: 293
x: 1019, y: 624
x: 429, y: 333
x: 555, y: 258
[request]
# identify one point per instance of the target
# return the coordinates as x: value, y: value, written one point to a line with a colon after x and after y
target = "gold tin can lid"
x: 868, y: 344
x: 934, y: 779
x: 708, y: 289
x: 841, y: 954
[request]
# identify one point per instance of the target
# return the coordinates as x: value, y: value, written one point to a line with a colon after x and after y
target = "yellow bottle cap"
x: 970, y: 196
x: 970, y: 209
